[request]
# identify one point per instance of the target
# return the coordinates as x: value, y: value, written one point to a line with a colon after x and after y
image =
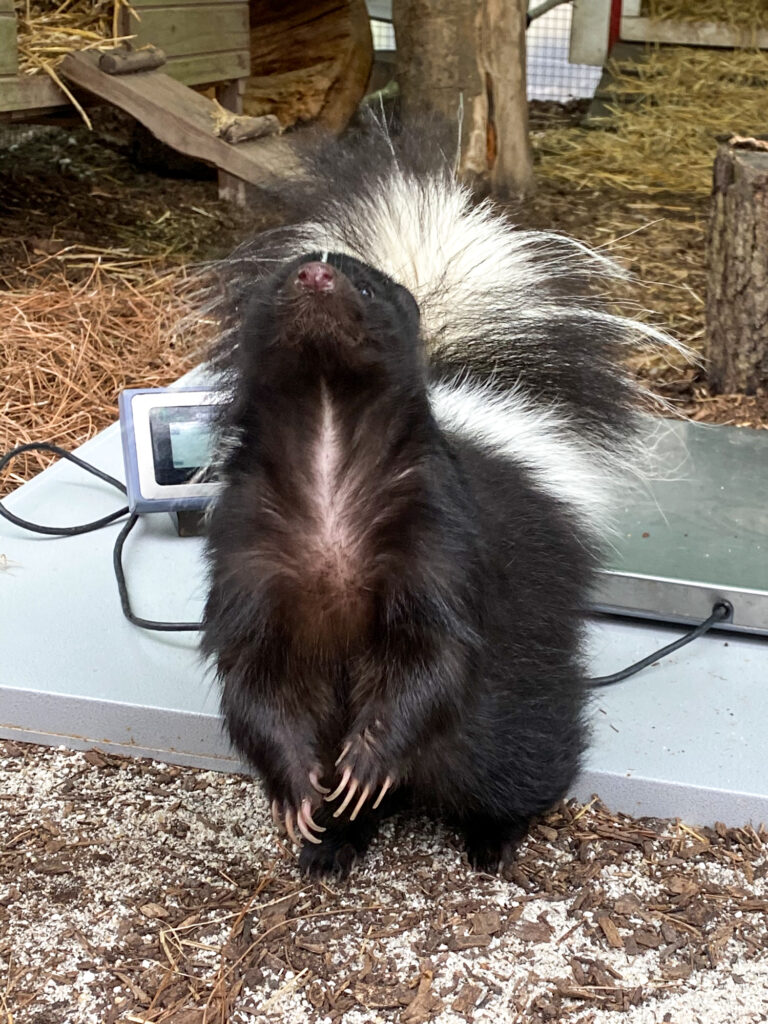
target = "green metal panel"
x: 696, y: 531
x: 706, y: 517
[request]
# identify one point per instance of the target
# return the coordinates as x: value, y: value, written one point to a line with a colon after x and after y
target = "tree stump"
x: 737, y: 289
x: 310, y: 60
x: 470, y: 55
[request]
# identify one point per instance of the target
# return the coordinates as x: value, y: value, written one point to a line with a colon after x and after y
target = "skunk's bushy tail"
x: 526, y: 352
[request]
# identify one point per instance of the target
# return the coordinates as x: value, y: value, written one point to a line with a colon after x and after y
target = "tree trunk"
x: 310, y: 60
x: 737, y: 291
x: 466, y: 59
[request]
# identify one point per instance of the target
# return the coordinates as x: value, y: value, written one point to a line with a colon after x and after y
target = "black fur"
x: 436, y: 630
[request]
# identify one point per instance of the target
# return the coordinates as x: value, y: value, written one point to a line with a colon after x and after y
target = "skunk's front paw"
x: 290, y: 816
x: 363, y: 774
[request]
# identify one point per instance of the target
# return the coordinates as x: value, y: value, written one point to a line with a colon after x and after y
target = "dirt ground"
x: 134, y: 892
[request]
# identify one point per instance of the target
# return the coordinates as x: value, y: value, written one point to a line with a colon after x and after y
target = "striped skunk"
x: 427, y: 411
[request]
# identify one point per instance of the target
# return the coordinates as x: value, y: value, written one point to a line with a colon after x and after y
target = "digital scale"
x: 685, y: 738
x: 695, y: 535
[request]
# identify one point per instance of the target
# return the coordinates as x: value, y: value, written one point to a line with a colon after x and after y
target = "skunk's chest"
x: 319, y: 537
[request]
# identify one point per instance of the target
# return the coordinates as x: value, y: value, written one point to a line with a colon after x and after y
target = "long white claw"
x: 306, y: 813
x: 289, y: 826
x: 363, y: 797
x: 350, y: 793
x: 305, y: 830
x: 316, y: 782
x: 276, y: 816
x: 384, y: 788
x: 341, y: 786
x: 344, y: 753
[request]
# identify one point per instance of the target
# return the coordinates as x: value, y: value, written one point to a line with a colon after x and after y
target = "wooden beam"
x: 696, y: 33
x: 230, y: 96
x: 25, y: 93
x: 182, y: 119
x: 589, y: 32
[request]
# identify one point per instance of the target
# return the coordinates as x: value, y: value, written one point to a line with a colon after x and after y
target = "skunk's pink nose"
x: 316, y: 276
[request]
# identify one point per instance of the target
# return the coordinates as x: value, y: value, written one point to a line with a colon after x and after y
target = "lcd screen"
x: 182, y: 441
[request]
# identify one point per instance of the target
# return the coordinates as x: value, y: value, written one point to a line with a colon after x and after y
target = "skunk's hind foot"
x: 491, y: 843
x: 341, y: 845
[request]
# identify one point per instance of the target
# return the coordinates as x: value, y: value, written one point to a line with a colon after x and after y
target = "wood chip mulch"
x: 133, y: 891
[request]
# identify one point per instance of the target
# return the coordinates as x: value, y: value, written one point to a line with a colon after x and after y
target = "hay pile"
x: 667, y: 112
x: 746, y: 14
x: 47, y: 33
x: 69, y: 347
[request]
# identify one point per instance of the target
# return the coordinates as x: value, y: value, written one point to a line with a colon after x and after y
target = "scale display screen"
x: 182, y: 442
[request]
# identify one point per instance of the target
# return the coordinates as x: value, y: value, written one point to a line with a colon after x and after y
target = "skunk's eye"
x: 366, y: 291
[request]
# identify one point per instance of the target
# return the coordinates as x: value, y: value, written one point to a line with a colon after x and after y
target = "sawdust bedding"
x: 133, y: 891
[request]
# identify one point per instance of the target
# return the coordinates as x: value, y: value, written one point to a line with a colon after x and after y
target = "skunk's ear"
x: 408, y: 302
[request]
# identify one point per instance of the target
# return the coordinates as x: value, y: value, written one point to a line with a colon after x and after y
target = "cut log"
x: 737, y: 288
x: 310, y: 60
x: 123, y: 61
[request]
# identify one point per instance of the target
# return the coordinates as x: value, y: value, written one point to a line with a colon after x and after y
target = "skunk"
x: 428, y: 410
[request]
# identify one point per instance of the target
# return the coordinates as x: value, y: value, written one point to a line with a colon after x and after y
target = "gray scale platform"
x: 685, y: 738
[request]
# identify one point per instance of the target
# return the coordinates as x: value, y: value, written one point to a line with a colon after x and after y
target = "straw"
x: 68, y: 349
x: 743, y: 14
x: 667, y: 113
x: 46, y: 35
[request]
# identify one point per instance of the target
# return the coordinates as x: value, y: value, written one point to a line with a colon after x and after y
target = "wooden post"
x: 737, y: 291
x: 467, y: 59
x: 230, y: 96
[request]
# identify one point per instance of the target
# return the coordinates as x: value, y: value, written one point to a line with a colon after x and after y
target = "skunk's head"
x: 325, y: 311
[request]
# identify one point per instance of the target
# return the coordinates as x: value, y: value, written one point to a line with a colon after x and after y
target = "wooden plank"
x: 208, y: 68
x: 699, y: 33
x: 36, y: 92
x: 9, y: 58
x: 183, y: 119
x: 190, y: 29
x: 164, y: 5
x: 589, y: 32
x: 205, y: 41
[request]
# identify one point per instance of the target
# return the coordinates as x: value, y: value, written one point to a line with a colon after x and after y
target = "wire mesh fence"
x: 550, y: 74
x: 383, y: 34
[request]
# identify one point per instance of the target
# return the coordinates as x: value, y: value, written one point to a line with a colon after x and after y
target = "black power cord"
x: 721, y: 611
x: 61, y: 531
x: 117, y: 563
x: 97, y: 524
